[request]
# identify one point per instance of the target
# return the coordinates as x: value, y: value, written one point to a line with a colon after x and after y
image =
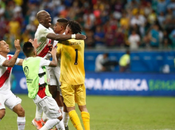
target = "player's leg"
x: 81, y: 101
x: 68, y: 95
x: 37, y: 121
x: 2, y: 113
x: 14, y: 103
x: 59, y: 99
x: 53, y: 113
x: 64, y: 110
x: 54, y: 84
x: 21, y: 116
x: 51, y: 79
x: 2, y: 107
x: 85, y: 117
x: 65, y: 115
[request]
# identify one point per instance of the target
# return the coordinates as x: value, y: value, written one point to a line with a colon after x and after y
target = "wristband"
x: 73, y: 36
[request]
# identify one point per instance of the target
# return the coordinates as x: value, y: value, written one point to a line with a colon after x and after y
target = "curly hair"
x: 74, y: 26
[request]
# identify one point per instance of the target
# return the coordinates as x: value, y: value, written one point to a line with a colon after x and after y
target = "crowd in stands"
x: 106, y: 23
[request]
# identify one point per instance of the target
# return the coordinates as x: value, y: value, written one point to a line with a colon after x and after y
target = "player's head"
x: 128, y: 52
x: 4, y: 47
x: 28, y: 49
x: 105, y: 55
x: 60, y: 26
x: 44, y: 18
x: 73, y: 27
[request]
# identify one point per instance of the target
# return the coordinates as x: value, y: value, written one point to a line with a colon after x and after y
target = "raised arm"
x: 12, y: 61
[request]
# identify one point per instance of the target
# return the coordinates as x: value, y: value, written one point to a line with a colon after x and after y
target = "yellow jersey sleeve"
x: 59, y: 48
x: 72, y: 61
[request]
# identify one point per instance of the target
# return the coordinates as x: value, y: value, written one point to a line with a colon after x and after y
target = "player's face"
x: 4, y: 47
x: 47, y: 20
x: 68, y: 30
x: 57, y: 28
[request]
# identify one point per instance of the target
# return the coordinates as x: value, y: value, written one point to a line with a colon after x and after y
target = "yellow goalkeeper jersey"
x: 72, y: 61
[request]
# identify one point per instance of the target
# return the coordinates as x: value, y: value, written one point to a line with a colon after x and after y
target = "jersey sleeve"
x: 17, y: 61
x: 44, y: 62
x: 2, y: 59
x: 44, y: 32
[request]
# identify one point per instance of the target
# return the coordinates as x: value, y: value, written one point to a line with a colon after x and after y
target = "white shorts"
x: 53, y: 75
x: 9, y: 100
x: 49, y: 106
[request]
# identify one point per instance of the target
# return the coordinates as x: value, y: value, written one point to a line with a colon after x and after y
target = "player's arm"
x: 61, y: 37
x: 58, y: 50
x: 12, y: 61
x: 20, y: 62
x: 53, y: 63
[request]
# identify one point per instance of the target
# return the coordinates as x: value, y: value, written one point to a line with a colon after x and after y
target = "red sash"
x: 45, y: 50
x: 5, y: 76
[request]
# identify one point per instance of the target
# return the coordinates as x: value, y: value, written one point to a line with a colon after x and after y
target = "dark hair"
x: 63, y: 21
x: 28, y: 48
x: 74, y: 26
x: 107, y: 54
x: 127, y: 51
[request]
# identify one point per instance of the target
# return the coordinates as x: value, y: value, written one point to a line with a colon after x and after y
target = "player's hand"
x: 80, y: 37
x: 17, y: 45
x: 53, y: 52
x: 35, y: 43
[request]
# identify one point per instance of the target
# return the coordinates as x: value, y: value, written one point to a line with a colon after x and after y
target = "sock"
x: 61, y: 108
x: 44, y: 128
x: 65, y: 118
x: 50, y: 124
x: 60, y: 126
x: 38, y: 113
x: 86, y: 120
x: 44, y: 117
x: 21, y: 123
x: 75, y: 120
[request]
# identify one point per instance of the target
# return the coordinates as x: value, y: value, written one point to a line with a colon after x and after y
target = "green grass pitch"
x: 112, y: 113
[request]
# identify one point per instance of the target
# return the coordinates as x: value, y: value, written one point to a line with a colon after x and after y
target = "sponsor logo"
x: 117, y: 84
x: 22, y: 83
x: 26, y: 70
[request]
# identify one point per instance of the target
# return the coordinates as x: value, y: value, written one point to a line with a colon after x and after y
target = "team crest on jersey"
x: 26, y: 70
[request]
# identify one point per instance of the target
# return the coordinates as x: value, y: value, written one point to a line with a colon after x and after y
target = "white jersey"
x: 5, y: 74
x: 42, y: 51
x: 41, y: 36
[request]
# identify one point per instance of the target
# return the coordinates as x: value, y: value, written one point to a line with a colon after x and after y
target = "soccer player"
x: 46, y: 36
x: 7, y: 98
x: 124, y: 62
x: 34, y: 71
x: 59, y: 28
x: 73, y: 75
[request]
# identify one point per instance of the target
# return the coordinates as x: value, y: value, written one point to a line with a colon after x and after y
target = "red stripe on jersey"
x: 41, y: 92
x: 6, y: 74
x: 45, y: 50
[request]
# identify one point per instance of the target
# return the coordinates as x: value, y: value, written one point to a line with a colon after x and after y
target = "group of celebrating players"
x: 54, y: 70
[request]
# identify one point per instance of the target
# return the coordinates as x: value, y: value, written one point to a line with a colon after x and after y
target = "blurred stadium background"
x: 109, y: 27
